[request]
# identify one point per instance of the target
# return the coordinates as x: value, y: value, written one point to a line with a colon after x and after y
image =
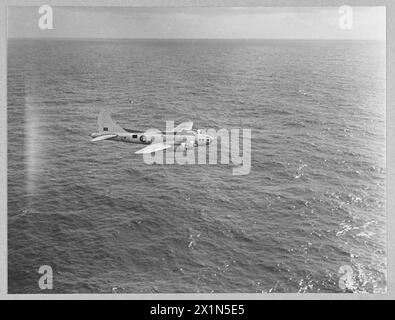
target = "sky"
x: 368, y: 23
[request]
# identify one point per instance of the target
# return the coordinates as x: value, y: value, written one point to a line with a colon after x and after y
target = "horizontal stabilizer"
x: 184, y: 126
x: 103, y: 137
x: 154, y: 147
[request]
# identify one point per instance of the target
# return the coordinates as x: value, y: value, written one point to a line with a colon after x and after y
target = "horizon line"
x: 166, y: 39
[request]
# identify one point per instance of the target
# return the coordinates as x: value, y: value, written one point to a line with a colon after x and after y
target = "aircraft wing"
x: 103, y: 137
x: 154, y: 147
x: 184, y: 126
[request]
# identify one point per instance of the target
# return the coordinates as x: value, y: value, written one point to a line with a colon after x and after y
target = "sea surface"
x: 106, y: 222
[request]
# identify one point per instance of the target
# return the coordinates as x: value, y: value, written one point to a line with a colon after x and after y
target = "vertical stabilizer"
x: 106, y: 124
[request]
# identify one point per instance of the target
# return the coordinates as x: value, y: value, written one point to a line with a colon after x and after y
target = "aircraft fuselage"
x: 191, y: 138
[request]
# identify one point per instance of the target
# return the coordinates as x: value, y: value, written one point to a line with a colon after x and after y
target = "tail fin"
x: 106, y: 124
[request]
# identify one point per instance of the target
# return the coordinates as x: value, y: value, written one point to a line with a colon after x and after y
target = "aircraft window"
x: 105, y: 129
x: 134, y: 136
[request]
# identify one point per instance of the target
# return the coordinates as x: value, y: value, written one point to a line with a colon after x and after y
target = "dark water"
x: 106, y: 222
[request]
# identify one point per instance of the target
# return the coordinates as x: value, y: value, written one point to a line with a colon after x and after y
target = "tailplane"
x: 184, y: 126
x: 106, y: 124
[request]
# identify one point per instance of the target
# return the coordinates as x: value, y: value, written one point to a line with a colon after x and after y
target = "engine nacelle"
x: 188, y: 144
x: 182, y: 146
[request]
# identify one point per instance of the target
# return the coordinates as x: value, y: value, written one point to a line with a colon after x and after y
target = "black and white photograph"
x: 196, y: 150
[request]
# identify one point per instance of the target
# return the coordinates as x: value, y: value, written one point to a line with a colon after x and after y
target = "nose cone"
x: 94, y: 135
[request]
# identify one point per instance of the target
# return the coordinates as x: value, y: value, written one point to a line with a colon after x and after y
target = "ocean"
x: 106, y: 222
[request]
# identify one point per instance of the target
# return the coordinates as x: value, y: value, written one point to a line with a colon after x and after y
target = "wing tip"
x: 152, y: 148
x: 103, y: 137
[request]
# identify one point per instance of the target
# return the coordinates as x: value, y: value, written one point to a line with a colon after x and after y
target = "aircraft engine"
x: 188, y: 144
x: 143, y: 138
